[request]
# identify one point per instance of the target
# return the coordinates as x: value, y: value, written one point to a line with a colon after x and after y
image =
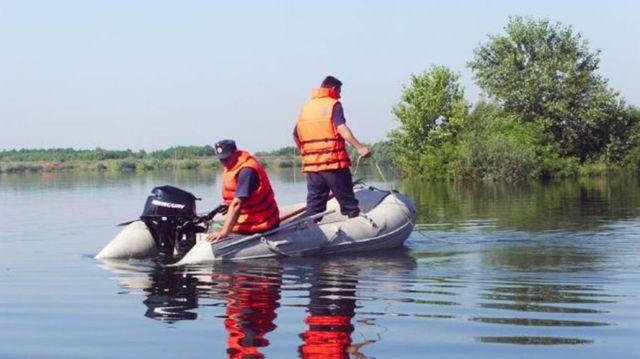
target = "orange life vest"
x: 259, y: 211
x: 321, y: 146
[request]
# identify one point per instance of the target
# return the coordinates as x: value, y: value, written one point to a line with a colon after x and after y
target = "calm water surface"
x: 492, y: 271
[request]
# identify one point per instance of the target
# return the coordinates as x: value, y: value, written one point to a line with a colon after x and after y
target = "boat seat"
x: 370, y: 197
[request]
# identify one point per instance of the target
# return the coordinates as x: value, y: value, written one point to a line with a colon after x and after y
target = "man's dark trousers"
x: 337, y: 181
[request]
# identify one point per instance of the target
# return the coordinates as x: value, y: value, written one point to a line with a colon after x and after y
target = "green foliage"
x: 64, y: 154
x: 286, y: 163
x: 183, y: 152
x: 595, y: 168
x: 99, y: 154
x: 189, y: 164
x: 627, y: 151
x: 439, y: 162
x: 631, y: 157
x: 545, y: 73
x: 152, y: 164
x: 183, y: 157
x: 499, y: 146
x: 430, y: 113
x: 554, y: 165
x: 126, y: 165
x: 383, y: 153
x: 284, y: 151
x: 19, y: 168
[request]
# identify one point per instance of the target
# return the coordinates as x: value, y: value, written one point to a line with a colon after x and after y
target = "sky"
x: 148, y: 75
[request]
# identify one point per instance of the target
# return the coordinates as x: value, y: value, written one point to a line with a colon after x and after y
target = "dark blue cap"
x: 224, y: 149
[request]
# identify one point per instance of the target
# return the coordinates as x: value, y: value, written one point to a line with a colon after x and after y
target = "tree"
x: 430, y: 113
x: 545, y: 73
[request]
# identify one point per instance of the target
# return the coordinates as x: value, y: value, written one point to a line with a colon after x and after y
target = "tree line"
x: 99, y: 154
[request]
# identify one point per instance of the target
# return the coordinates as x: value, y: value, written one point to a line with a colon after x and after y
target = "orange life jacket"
x: 259, y: 211
x: 321, y: 146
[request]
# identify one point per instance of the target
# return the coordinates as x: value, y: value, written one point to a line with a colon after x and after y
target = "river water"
x: 492, y: 271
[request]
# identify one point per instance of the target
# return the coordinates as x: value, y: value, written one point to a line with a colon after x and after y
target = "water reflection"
x: 98, y: 179
x: 528, y: 270
x: 348, y: 300
x: 252, y: 298
x: 543, y: 256
x: 520, y: 291
x: 531, y: 206
x: 533, y: 340
x: 171, y: 295
x: 331, y: 308
x: 251, y: 295
x: 366, y: 170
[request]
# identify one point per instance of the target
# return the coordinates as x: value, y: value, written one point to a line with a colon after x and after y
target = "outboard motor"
x: 170, y: 215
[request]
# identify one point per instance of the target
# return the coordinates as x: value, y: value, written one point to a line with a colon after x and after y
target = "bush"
x: 431, y: 112
x: 594, y: 168
x: 189, y: 165
x: 555, y: 166
x: 126, y: 166
x: 496, y: 145
x: 632, y: 159
x: 545, y: 72
x: 437, y: 163
x: 286, y: 163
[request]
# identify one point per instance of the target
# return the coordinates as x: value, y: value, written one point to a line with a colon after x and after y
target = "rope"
x: 357, y: 165
x: 393, y: 193
x: 355, y: 171
x: 436, y: 239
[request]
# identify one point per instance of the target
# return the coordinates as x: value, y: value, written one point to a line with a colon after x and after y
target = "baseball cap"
x: 224, y: 149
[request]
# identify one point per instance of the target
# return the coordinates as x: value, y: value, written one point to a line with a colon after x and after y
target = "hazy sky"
x: 154, y: 74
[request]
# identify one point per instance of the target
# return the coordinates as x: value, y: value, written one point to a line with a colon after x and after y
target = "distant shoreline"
x: 133, y: 165
x: 101, y: 160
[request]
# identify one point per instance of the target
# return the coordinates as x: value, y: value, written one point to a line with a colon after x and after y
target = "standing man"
x: 246, y: 189
x: 320, y: 133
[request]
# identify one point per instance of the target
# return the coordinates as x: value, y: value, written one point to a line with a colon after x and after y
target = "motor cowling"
x: 170, y: 215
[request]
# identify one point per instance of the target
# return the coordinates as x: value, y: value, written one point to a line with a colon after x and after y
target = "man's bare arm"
x: 346, y: 133
x: 232, y: 218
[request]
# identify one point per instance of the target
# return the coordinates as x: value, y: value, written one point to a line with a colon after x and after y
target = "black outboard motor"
x: 170, y: 215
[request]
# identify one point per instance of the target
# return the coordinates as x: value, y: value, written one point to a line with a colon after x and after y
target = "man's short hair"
x: 331, y: 81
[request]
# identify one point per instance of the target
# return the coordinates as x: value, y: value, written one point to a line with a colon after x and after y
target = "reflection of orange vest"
x: 251, y: 310
x: 321, y: 145
x: 328, y: 336
x: 259, y: 211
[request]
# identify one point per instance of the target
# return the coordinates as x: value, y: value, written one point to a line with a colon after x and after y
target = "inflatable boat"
x: 169, y: 225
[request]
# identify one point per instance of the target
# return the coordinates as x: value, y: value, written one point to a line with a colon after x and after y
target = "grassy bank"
x: 133, y: 164
x: 175, y: 158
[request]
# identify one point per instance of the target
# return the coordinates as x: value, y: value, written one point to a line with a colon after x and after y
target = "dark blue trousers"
x: 339, y: 182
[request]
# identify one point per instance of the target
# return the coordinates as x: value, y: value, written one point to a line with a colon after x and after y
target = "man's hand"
x: 345, y: 132
x: 216, y: 236
x: 233, y: 212
x: 364, y: 152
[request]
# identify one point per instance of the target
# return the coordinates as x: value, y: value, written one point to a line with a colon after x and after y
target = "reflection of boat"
x: 386, y: 221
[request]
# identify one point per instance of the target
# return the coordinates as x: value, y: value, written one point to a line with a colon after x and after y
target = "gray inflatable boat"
x: 387, y: 219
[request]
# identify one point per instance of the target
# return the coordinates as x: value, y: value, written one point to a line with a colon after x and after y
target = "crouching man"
x: 247, y: 191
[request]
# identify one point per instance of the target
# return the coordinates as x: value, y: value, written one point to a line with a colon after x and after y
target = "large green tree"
x: 430, y: 113
x: 544, y: 72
